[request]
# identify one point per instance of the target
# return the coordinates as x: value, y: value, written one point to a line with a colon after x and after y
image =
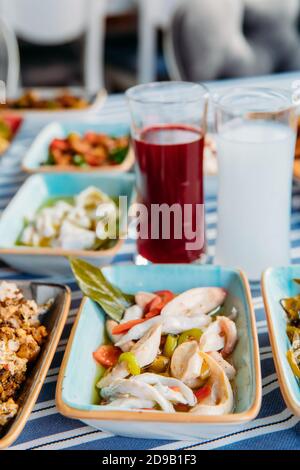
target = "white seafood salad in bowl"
x: 82, y: 222
x: 165, y: 352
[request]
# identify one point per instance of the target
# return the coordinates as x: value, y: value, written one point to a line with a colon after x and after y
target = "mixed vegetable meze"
x: 32, y: 100
x: 93, y: 149
x: 292, y: 308
x: 165, y: 351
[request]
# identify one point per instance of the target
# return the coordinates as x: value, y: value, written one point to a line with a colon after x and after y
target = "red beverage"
x: 170, y: 171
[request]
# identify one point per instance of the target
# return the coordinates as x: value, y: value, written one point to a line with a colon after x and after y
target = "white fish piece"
x: 143, y: 298
x: 228, y: 328
x: 134, y: 388
x: 135, y: 312
x: 167, y: 382
x: 91, y: 197
x: 221, y: 335
x: 195, y: 302
x: 186, y: 311
x: 186, y: 364
x: 110, y: 325
x: 75, y: 238
x: 170, y: 325
x: 138, y: 331
x: 145, y: 351
x: 130, y: 403
x: 28, y: 234
x: 45, y: 223
x: 226, y: 366
x: 212, y: 340
x: 78, y: 216
x: 220, y: 400
x: 180, y: 323
x: 107, y: 211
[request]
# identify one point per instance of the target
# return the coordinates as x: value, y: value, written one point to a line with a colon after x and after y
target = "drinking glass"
x: 168, y: 122
x: 256, y: 133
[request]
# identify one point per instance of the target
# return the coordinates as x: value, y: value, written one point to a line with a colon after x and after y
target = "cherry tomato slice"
x: 107, y: 355
x: 202, y: 393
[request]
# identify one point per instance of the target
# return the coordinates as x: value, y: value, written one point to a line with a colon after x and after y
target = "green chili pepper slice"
x: 194, y: 333
x: 131, y: 362
x: 170, y: 345
x: 292, y: 361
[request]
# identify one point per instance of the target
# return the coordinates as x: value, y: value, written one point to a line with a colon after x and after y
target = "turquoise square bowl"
x: 75, y: 394
x: 32, y: 194
x: 37, y: 154
x: 277, y: 283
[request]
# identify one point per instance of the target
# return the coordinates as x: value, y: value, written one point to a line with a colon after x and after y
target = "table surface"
x: 274, y: 428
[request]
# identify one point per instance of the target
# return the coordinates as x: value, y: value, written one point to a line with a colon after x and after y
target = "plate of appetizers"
x: 53, y: 102
x: 163, y: 351
x: 32, y: 318
x: 80, y: 147
x: 54, y: 216
x: 281, y: 293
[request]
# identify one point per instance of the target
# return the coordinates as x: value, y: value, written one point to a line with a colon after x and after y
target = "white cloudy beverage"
x: 254, y: 194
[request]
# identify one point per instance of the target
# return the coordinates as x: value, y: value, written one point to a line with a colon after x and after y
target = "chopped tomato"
x: 124, y: 327
x: 165, y: 295
x: 153, y: 313
x: 181, y: 407
x: 107, y: 355
x: 153, y: 304
x: 202, y: 393
x: 60, y: 144
x: 161, y: 299
x: 13, y: 121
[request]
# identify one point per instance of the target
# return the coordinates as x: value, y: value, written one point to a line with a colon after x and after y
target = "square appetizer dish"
x: 56, y: 216
x: 162, y: 351
x: 281, y: 294
x: 80, y: 147
x: 53, y: 102
x: 32, y: 317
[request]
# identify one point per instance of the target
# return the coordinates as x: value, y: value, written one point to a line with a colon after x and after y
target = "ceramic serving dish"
x: 277, y: 283
x: 32, y: 194
x: 37, y: 154
x: 54, y: 319
x: 95, y: 102
x: 76, y: 395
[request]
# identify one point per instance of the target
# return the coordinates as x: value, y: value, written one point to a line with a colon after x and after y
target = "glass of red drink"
x: 168, y: 122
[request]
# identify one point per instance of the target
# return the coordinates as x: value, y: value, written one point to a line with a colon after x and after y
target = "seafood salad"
x: 80, y: 223
x: 292, y: 308
x: 21, y: 337
x: 166, y: 352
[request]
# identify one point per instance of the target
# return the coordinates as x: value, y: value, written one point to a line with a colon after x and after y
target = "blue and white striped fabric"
x: 274, y: 428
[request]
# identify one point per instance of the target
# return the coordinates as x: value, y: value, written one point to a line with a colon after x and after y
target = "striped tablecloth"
x: 274, y: 428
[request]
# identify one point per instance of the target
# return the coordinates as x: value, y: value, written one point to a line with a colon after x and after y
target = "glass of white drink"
x: 256, y: 134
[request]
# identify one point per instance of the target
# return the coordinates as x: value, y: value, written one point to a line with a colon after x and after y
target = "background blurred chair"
x: 154, y: 15
x: 9, y: 58
x: 53, y: 22
x: 259, y: 37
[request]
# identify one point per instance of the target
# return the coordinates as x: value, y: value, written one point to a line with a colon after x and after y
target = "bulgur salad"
x: 21, y: 337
